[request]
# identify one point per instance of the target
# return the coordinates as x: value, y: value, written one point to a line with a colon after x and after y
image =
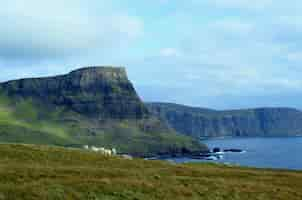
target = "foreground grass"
x: 41, y: 172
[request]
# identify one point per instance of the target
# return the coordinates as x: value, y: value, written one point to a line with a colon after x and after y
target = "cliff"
x: 99, y: 92
x: 199, y: 122
x: 95, y: 105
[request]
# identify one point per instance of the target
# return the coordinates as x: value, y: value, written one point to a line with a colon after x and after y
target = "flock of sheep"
x: 102, y: 150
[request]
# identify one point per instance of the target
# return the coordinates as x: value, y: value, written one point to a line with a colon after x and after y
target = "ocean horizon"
x: 259, y: 152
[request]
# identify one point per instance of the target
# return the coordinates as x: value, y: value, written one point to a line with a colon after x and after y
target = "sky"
x: 222, y: 54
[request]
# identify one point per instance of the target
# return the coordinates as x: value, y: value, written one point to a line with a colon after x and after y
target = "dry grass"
x: 41, y: 172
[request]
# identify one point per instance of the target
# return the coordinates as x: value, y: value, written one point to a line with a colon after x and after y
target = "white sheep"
x: 102, y: 150
x: 113, y: 150
x: 127, y: 157
x: 107, y: 152
x: 95, y: 149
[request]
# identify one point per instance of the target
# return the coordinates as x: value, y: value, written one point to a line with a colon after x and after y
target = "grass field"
x: 42, y: 172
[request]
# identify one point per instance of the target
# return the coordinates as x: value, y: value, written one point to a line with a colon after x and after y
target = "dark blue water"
x: 282, y: 153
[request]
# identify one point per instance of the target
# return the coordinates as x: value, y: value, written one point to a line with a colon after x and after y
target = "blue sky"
x: 212, y: 53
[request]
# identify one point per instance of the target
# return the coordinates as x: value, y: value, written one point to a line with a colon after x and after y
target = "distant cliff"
x: 199, y: 122
x: 93, y: 105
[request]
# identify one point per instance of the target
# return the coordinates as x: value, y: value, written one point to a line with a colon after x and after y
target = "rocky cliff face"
x: 198, y: 122
x: 99, y: 92
x: 96, y: 106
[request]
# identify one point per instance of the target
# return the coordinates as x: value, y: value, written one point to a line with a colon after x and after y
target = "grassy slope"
x: 23, y: 121
x: 40, y: 172
x: 19, y: 122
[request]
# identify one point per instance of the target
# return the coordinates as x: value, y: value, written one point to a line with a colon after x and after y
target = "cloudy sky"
x: 211, y: 53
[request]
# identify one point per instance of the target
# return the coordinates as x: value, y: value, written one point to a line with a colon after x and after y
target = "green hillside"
x: 91, y: 106
x: 29, y: 122
x: 19, y: 122
x: 39, y: 172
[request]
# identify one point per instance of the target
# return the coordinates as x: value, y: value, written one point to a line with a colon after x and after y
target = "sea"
x: 275, y: 153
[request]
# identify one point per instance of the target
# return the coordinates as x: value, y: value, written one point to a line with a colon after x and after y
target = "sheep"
x: 102, y: 150
x: 107, y: 152
x: 113, y: 150
x: 127, y: 157
x: 95, y: 149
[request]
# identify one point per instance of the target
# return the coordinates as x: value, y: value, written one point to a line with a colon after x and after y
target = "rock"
x: 216, y: 150
x: 233, y: 150
x: 201, y: 122
x: 99, y: 92
x: 93, y: 105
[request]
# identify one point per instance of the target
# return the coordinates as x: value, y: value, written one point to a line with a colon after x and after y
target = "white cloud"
x: 233, y: 26
x: 37, y: 29
x: 247, y: 4
x: 295, y: 56
x: 169, y: 52
x: 219, y: 47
